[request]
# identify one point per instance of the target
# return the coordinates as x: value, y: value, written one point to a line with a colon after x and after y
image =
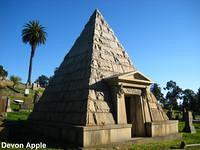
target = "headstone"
x: 8, y: 108
x: 2, y: 107
x: 3, y: 131
x: 188, y: 123
x: 193, y: 115
x: 182, y: 145
x: 37, y: 84
x: 183, y: 112
x: 26, y: 92
x: 170, y: 114
x: 33, y: 86
x: 36, y: 97
x: 177, y: 117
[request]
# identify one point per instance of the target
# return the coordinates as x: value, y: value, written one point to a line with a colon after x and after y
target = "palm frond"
x: 33, y: 33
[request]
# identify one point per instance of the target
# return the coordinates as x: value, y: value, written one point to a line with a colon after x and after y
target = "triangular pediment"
x: 134, y: 75
x: 130, y: 77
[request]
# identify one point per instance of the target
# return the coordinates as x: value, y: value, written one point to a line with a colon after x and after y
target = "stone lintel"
x: 133, y: 85
x: 128, y: 83
x: 135, y: 81
x: 132, y: 91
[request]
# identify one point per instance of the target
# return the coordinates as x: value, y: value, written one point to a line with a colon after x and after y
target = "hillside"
x: 6, y: 90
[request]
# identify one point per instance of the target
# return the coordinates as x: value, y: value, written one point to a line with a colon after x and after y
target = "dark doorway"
x: 128, y: 109
x: 130, y: 113
x: 134, y: 115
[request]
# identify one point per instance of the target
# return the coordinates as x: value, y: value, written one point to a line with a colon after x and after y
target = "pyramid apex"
x: 97, y: 11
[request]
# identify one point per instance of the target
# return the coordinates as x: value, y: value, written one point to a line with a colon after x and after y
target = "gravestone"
x: 170, y: 114
x: 26, y: 92
x: 188, y: 123
x: 8, y: 108
x: 36, y: 97
x: 177, y: 117
x: 2, y: 107
x: 183, y: 112
x: 3, y: 131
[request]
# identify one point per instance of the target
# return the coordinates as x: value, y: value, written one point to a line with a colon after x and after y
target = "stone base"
x: 92, y: 136
x: 85, y: 136
x: 100, y: 135
x: 162, y: 128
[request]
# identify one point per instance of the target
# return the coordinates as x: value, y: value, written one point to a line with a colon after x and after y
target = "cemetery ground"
x: 17, y: 92
x: 19, y: 116
x: 171, y: 144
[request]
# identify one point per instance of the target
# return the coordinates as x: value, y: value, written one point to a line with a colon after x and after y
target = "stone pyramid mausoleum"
x: 97, y: 96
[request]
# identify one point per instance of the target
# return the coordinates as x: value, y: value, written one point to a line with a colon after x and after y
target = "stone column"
x: 147, y: 114
x: 119, y: 105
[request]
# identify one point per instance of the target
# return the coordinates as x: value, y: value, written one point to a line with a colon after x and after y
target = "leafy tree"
x: 198, y: 100
x: 156, y: 90
x: 15, y: 80
x: 34, y: 34
x: 43, y: 80
x: 3, y: 72
x: 173, y: 94
x: 190, y: 100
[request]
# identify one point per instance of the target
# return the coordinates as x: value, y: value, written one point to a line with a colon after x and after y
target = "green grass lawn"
x: 156, y: 145
x: 187, y: 137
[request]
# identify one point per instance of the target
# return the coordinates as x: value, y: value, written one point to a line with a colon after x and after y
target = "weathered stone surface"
x: 96, y: 87
x: 103, y: 118
x: 106, y: 134
x: 162, y: 128
x: 132, y: 91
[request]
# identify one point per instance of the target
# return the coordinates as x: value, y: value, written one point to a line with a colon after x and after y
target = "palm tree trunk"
x: 30, y: 64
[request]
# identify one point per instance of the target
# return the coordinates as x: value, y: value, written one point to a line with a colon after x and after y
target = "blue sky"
x: 162, y: 37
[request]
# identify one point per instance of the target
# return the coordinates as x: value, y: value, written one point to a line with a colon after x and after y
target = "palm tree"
x: 34, y: 34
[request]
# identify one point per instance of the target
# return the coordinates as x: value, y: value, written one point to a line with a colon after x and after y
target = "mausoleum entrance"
x: 134, y: 114
x: 130, y: 101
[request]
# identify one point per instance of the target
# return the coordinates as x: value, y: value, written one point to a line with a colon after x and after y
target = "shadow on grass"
x: 20, y: 132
